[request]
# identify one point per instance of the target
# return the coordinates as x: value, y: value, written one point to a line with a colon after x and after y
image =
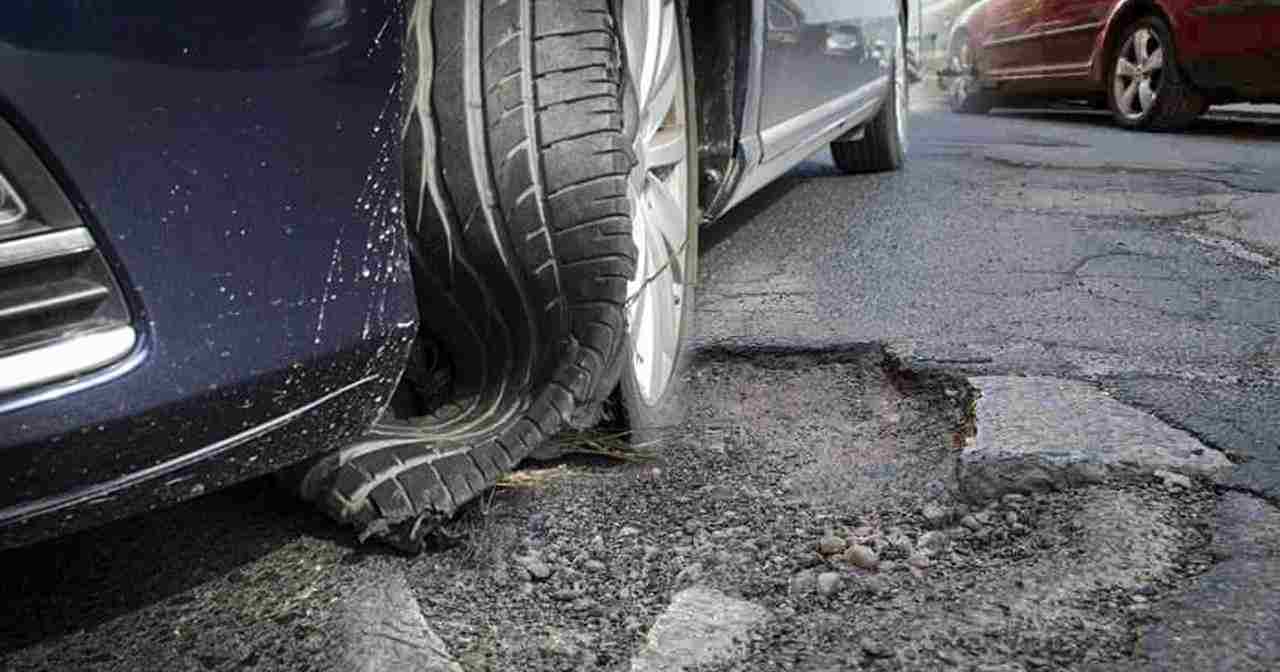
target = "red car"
x: 1157, y: 64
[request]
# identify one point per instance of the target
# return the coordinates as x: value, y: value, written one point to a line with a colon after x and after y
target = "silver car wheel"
x: 658, y: 191
x: 1138, y: 73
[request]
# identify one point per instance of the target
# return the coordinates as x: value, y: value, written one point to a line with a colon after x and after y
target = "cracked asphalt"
x: 1037, y: 243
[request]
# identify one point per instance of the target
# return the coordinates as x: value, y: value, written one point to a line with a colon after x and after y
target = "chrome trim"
x: 751, y: 143
x: 97, y: 490
x: 796, y: 130
x: 65, y: 358
x: 71, y: 293
x: 776, y: 165
x: 12, y: 208
x: 1034, y: 71
x: 1043, y: 34
x: 44, y: 246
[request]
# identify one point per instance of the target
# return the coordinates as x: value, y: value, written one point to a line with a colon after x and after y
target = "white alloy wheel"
x: 1139, y: 73
x: 659, y: 193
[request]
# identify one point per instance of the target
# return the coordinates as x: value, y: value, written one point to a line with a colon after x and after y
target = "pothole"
x: 816, y: 492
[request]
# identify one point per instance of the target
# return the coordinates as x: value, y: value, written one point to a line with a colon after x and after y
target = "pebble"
x: 898, y: 540
x: 1173, y: 481
x: 803, y: 583
x: 828, y: 583
x: 689, y: 574
x: 971, y: 522
x: 566, y: 594
x: 983, y: 517
x: 888, y: 566
x: 1013, y: 499
x: 594, y: 565
x: 1011, y: 518
x: 935, y: 515
x: 919, y: 561
x: 629, y: 531
x: 538, y: 522
x: 932, y: 541
x: 538, y: 570
x: 874, y: 648
x: 831, y: 544
x: 862, y: 556
x: 875, y: 585
x: 949, y: 657
x: 585, y: 604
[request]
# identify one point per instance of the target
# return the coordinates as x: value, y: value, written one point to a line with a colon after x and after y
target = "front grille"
x: 61, y: 311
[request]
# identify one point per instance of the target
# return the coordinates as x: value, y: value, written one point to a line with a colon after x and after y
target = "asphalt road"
x: 1017, y: 243
x: 1034, y: 242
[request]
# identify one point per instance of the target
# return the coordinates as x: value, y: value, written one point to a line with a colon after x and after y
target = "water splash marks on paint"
x: 382, y: 262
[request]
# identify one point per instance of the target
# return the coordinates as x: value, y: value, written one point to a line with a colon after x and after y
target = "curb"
x: 386, y: 631
x: 1242, y: 114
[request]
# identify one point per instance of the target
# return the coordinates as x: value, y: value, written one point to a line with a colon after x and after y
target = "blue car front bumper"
x: 239, y: 172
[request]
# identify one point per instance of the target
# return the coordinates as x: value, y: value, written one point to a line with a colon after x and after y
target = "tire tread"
x: 525, y: 127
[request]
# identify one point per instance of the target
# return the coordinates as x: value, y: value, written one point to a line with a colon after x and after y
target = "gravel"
x: 577, y: 571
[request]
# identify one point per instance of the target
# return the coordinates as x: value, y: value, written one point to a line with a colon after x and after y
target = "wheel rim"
x: 658, y: 191
x: 964, y: 81
x: 900, y: 99
x: 1138, y: 73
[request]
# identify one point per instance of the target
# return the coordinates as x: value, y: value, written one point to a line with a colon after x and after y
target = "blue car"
x: 390, y: 246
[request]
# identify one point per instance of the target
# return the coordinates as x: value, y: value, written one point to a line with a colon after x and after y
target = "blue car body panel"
x: 238, y: 164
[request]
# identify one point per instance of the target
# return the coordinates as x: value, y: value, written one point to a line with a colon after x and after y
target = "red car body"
x: 1229, y: 50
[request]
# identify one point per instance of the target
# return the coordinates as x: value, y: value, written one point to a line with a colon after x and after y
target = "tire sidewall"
x: 649, y: 421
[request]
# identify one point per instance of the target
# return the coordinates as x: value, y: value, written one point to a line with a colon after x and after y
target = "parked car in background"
x: 847, y: 41
x: 1156, y: 64
x: 394, y: 249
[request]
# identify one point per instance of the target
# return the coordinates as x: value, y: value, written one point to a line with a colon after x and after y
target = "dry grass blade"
x: 613, y: 445
x: 532, y: 478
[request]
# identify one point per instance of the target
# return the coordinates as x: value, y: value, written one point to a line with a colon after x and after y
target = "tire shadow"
x: 742, y: 214
x: 80, y: 581
x: 1213, y: 125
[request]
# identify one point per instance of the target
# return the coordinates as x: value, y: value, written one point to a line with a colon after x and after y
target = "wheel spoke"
x: 1126, y: 68
x: 668, y: 147
x: 637, y: 296
x: 635, y: 33
x: 649, y: 59
x: 666, y: 334
x: 1140, y: 46
x: 1126, y: 98
x: 665, y: 81
x: 1155, y: 60
x: 1146, y: 96
x: 667, y: 219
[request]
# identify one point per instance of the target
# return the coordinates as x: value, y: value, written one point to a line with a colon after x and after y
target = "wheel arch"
x: 1122, y: 14
x: 721, y: 35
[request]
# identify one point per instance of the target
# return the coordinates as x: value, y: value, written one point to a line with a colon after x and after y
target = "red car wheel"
x: 1145, y: 88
